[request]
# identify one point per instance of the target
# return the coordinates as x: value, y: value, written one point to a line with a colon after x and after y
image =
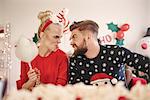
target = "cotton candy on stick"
x: 26, y: 50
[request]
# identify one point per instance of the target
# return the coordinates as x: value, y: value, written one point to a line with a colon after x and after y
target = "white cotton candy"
x: 26, y: 50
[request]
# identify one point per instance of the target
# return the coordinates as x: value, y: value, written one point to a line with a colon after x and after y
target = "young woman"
x: 51, y: 64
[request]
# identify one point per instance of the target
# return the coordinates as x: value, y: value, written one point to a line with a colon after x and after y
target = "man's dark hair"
x: 85, y: 25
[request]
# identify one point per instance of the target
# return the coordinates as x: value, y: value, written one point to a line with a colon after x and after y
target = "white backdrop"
x: 1, y: 11
x: 22, y: 14
x: 149, y: 13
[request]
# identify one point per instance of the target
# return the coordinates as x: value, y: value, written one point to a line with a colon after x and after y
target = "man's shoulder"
x: 77, y: 57
x: 110, y: 46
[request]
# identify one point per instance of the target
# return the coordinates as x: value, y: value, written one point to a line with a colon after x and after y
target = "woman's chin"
x: 55, y: 49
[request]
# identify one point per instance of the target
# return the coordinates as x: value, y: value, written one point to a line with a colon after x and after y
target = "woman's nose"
x: 58, y: 41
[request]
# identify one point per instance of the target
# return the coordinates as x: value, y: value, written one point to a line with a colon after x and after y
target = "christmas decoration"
x: 119, y: 42
x: 119, y: 32
x: 143, y: 48
x: 49, y: 17
x: 124, y: 27
x: 62, y: 16
x: 35, y: 38
x: 113, y: 27
x: 5, y: 58
x: 143, y: 45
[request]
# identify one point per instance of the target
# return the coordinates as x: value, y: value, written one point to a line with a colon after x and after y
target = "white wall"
x: 22, y: 14
x: 1, y: 11
x: 148, y: 13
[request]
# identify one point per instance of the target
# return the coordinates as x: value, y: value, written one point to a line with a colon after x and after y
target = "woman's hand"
x: 38, y: 77
x: 34, y: 77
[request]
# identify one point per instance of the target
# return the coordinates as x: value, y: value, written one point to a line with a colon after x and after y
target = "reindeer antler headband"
x: 49, y: 17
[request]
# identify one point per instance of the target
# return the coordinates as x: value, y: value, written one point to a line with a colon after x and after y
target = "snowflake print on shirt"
x: 111, y: 60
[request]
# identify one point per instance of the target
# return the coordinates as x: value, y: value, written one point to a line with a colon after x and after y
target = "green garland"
x: 35, y: 38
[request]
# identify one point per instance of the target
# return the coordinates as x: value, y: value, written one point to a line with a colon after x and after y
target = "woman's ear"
x: 41, y: 34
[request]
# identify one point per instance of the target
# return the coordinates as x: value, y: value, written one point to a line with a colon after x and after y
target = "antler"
x: 62, y: 17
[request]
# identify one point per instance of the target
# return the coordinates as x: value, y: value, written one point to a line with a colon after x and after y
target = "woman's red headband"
x: 47, y: 23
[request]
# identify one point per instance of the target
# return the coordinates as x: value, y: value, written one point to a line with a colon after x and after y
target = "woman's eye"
x: 56, y: 37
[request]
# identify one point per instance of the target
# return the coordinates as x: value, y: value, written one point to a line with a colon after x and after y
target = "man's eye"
x: 74, y: 37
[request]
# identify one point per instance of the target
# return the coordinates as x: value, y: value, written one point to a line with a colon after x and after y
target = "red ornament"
x: 119, y: 35
x: 124, y: 27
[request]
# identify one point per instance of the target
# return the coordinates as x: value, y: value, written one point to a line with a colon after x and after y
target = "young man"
x: 92, y: 61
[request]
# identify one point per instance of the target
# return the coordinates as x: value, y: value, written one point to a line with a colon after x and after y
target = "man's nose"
x: 71, y: 42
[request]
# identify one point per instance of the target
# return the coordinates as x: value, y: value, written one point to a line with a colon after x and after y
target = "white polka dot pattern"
x: 111, y: 60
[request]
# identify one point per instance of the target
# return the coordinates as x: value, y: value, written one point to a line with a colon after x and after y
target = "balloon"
x: 26, y: 50
x: 124, y: 27
x: 143, y: 46
x: 119, y: 35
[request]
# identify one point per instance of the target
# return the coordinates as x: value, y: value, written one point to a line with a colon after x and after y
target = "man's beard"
x: 81, y: 50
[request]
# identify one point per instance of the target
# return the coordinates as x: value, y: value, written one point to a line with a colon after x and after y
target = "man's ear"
x: 88, y: 35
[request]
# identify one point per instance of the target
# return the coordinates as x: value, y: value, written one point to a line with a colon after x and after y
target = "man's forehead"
x: 76, y: 31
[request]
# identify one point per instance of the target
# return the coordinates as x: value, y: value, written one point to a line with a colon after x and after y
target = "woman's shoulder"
x: 61, y: 52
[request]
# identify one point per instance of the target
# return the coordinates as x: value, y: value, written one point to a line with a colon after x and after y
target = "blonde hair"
x: 48, y: 17
x: 43, y: 17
